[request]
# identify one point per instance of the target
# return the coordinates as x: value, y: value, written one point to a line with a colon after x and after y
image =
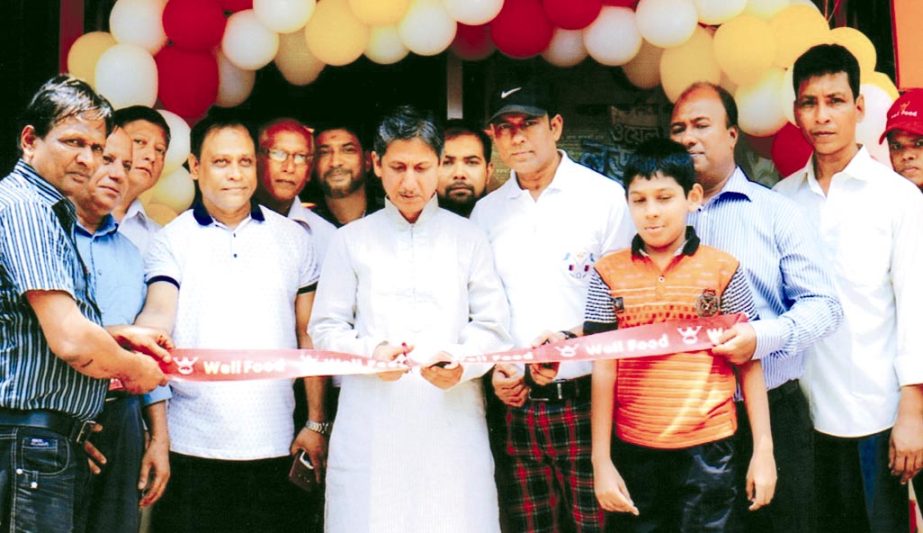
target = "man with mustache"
x: 56, y: 358
x: 341, y: 165
x: 465, y: 169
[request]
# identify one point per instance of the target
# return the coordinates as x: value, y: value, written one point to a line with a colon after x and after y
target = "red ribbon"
x: 664, y: 338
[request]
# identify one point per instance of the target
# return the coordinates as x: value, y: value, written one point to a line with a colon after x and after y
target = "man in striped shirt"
x: 794, y: 296
x: 55, y: 358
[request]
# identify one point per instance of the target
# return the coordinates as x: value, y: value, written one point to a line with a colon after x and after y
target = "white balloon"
x: 138, y: 22
x: 179, y: 142
x: 644, y: 70
x: 566, y: 48
x: 427, y: 29
x: 714, y: 12
x: 872, y: 125
x: 760, y: 105
x: 473, y: 12
x: 284, y: 16
x: 788, y: 95
x: 295, y: 61
x: 385, y: 46
x: 613, y: 38
x: 126, y: 75
x: 175, y: 190
x: 234, y: 83
x: 766, y: 9
x: 247, y: 42
x: 666, y: 23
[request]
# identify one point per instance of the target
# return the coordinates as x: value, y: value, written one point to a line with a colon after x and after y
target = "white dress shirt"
x: 319, y: 229
x: 138, y: 227
x: 545, y: 249
x: 871, y: 226
x: 406, y: 455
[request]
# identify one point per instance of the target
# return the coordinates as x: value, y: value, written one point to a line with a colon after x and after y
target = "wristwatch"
x: 318, y: 427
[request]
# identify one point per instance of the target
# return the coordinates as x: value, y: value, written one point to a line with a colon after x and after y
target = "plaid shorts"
x: 551, y: 490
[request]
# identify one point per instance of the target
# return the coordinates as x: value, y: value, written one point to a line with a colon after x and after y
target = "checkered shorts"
x: 551, y: 490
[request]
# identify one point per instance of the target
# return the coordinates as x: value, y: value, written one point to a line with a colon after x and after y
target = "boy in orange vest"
x: 673, y: 416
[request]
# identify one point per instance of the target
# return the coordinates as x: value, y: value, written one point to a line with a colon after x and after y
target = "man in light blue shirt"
x: 795, y: 298
x: 118, y: 451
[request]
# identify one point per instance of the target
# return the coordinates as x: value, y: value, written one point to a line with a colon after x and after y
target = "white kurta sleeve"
x: 333, y: 317
x: 487, y: 329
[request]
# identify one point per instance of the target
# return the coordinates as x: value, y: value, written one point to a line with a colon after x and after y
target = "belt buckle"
x: 559, y: 385
x: 86, y: 428
x: 535, y: 399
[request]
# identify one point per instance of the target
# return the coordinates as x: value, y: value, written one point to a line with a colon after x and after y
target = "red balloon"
x: 472, y: 43
x: 236, y: 5
x: 790, y: 150
x: 194, y: 24
x: 572, y: 14
x: 622, y: 3
x: 187, y: 80
x: 521, y: 29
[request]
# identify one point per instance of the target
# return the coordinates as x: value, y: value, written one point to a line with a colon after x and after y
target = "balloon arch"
x: 185, y: 56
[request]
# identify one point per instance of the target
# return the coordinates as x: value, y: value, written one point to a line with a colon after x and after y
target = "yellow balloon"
x: 745, y: 48
x: 85, y: 52
x: 883, y: 82
x: 175, y: 191
x: 160, y: 213
x: 692, y: 61
x: 797, y: 28
x: 861, y: 46
x: 334, y: 35
x: 295, y: 61
x: 644, y: 70
x: 379, y: 12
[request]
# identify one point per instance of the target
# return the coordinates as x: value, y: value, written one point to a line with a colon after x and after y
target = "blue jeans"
x: 39, y: 474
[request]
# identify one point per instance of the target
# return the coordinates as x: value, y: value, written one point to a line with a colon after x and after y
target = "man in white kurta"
x: 408, y: 455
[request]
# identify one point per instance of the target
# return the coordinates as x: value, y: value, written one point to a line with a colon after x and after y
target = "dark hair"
x: 356, y: 130
x: 130, y: 114
x: 214, y: 121
x: 827, y: 59
x: 61, y: 98
x: 405, y: 123
x: 457, y: 127
x: 660, y: 155
x: 727, y: 100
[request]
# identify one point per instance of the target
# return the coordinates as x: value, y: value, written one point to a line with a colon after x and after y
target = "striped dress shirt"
x: 38, y: 253
x: 781, y: 253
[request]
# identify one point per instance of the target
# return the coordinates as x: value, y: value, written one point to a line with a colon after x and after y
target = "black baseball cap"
x: 529, y: 98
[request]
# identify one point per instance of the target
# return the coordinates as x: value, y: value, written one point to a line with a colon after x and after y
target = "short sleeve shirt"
x: 237, y: 290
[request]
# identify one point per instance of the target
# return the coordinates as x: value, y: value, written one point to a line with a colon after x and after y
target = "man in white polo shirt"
x: 229, y: 274
x: 547, y: 225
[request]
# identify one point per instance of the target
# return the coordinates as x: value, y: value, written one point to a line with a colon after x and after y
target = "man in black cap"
x: 547, y: 225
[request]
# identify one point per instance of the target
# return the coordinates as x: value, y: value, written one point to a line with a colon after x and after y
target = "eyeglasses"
x: 281, y: 156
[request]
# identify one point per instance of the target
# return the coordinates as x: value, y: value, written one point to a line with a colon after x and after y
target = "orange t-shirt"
x: 680, y: 400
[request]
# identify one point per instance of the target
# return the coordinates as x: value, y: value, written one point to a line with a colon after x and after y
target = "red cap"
x: 906, y: 114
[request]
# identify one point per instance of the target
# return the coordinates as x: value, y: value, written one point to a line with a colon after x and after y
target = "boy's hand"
x: 509, y: 385
x: 905, y: 454
x: 738, y: 343
x: 611, y: 491
x: 761, y: 479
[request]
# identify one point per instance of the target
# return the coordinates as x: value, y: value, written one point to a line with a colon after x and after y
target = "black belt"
x: 560, y: 391
x: 66, y: 425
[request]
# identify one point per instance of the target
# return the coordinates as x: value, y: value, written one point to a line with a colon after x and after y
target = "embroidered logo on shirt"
x: 579, y: 264
x: 618, y: 304
x: 708, y: 303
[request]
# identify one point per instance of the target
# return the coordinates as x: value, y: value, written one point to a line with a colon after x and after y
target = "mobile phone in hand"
x: 302, y: 472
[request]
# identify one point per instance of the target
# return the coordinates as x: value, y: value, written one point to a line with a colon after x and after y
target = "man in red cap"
x: 904, y: 132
